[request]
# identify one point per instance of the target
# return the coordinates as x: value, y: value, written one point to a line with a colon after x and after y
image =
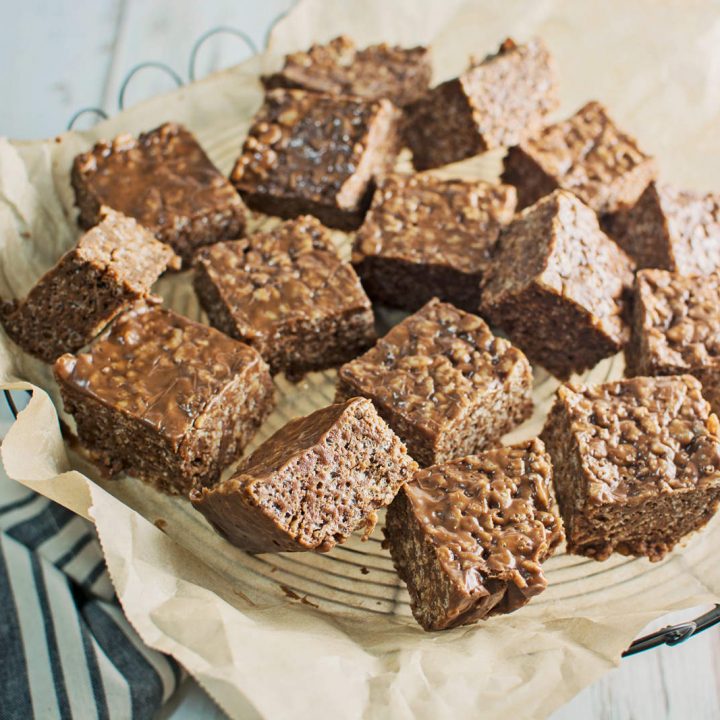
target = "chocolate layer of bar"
x: 313, y: 483
x: 443, y: 382
x: 425, y: 237
x: 676, y: 328
x: 497, y: 102
x: 314, y: 154
x: 636, y: 464
x: 287, y: 293
x: 586, y: 154
x: 469, y: 537
x: 671, y: 229
x: 402, y: 75
x: 113, y: 266
x: 166, y: 182
x: 164, y: 398
x: 557, y: 285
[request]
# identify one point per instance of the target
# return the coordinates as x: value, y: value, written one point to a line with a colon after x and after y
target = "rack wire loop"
x: 142, y: 66
x: 221, y: 29
x: 96, y: 110
x: 272, y: 26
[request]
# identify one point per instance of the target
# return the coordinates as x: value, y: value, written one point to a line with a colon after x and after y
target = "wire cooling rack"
x: 671, y: 635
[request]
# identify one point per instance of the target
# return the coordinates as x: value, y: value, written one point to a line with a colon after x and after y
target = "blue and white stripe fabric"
x: 66, y: 650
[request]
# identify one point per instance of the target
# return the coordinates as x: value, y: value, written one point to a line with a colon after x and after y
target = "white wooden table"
x: 60, y: 56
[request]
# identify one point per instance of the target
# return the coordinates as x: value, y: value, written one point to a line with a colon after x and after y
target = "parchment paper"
x: 331, y: 636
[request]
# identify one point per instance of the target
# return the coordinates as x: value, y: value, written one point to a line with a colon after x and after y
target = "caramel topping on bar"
x: 693, y: 221
x: 161, y: 178
x: 558, y: 244
x: 587, y: 154
x: 311, y: 484
x: 681, y: 318
x: 158, y: 366
x: 310, y: 145
x: 432, y: 366
x: 339, y: 68
x: 423, y: 219
x: 290, y: 273
x: 490, y: 516
x: 642, y: 436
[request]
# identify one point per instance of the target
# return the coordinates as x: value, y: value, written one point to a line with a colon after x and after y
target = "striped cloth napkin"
x: 66, y: 649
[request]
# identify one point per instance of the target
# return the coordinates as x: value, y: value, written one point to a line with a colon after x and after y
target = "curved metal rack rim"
x: 675, y: 634
x: 670, y: 636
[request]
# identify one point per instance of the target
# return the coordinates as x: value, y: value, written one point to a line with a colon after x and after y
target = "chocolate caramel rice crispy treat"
x: 496, y: 102
x: 339, y: 68
x: 287, y: 294
x: 586, y: 154
x: 112, y: 267
x: 636, y: 464
x: 425, y: 237
x: 676, y: 328
x: 672, y: 229
x: 315, y: 154
x: 443, y: 382
x: 469, y: 537
x: 313, y: 483
x: 559, y: 286
x: 166, y: 399
x: 166, y: 182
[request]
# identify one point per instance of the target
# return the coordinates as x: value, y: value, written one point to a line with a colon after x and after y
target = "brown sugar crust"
x: 166, y: 182
x: 287, y: 293
x: 444, y: 383
x: 339, y: 68
x: 112, y: 267
x: 313, y: 483
x: 314, y: 154
x: 558, y: 285
x: 586, y: 154
x: 637, y: 464
x: 468, y: 537
x: 671, y: 229
x: 676, y: 328
x: 496, y: 102
x: 164, y: 398
x: 425, y: 237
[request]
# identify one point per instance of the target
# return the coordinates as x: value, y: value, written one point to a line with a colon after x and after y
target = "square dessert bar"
x: 287, y: 293
x: 166, y: 182
x: 425, y: 237
x: 672, y: 229
x: 558, y: 285
x: 586, y: 154
x: 676, y: 328
x: 315, y: 154
x: 112, y: 266
x: 166, y: 399
x: 469, y: 537
x: 443, y: 382
x: 637, y: 464
x: 339, y: 68
x: 313, y: 483
x: 495, y: 103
